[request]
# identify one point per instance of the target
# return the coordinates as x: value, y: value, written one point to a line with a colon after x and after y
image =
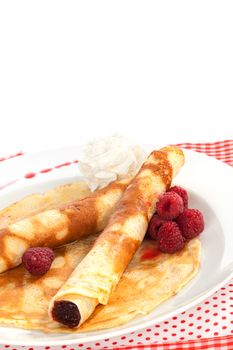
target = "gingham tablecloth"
x: 208, y: 325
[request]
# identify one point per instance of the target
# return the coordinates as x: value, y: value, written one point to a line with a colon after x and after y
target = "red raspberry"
x: 182, y: 193
x: 38, y: 260
x: 154, y: 225
x: 191, y: 223
x: 169, y: 206
x: 170, y: 239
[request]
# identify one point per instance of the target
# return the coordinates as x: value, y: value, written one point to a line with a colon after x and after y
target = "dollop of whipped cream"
x: 110, y: 158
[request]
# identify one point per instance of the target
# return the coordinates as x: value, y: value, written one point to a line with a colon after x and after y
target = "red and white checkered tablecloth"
x: 221, y: 343
x: 221, y: 150
x: 208, y: 325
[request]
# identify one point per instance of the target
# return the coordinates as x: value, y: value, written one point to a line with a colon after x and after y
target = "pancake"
x: 96, y: 277
x: 145, y: 284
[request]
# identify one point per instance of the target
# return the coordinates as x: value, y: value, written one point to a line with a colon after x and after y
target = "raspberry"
x: 66, y: 312
x: 170, y: 205
x: 38, y: 260
x: 170, y: 239
x: 154, y: 225
x: 182, y: 193
x: 191, y: 223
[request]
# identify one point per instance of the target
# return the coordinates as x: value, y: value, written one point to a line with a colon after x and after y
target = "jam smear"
x: 149, y: 253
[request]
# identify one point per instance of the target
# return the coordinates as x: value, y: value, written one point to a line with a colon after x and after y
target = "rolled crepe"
x: 95, y: 278
x: 37, y: 202
x: 55, y: 227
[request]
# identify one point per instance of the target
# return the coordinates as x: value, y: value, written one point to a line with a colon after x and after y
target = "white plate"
x: 209, y: 183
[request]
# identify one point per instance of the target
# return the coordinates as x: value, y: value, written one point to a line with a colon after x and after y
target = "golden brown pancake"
x: 145, y: 284
x: 96, y: 277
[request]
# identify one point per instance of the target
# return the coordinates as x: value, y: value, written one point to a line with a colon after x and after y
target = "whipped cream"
x: 110, y: 158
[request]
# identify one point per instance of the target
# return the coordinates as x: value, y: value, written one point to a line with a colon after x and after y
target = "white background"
x: 156, y: 71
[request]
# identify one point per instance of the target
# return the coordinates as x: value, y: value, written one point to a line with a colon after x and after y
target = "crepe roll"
x: 55, y: 227
x: 95, y: 278
x: 37, y: 202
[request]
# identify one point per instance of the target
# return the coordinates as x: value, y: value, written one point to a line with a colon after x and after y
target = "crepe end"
x: 67, y: 313
x: 72, y: 310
